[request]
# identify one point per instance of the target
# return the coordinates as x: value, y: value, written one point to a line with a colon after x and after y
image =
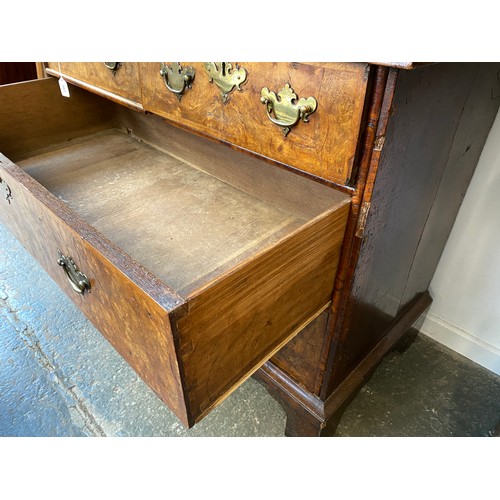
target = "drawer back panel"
x: 34, y: 115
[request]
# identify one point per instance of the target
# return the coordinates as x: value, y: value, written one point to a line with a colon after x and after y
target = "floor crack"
x: 76, y: 405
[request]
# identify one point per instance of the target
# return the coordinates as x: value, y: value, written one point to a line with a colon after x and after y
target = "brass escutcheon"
x: 177, y: 78
x: 284, y: 111
x: 78, y: 281
x: 226, y: 77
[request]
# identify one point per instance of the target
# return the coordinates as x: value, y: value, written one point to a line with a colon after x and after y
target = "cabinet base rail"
x: 309, y: 416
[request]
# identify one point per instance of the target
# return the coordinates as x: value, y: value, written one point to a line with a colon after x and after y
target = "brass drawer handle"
x: 282, y: 109
x: 177, y: 78
x: 226, y: 77
x: 6, y: 189
x: 78, y: 281
x: 113, y: 66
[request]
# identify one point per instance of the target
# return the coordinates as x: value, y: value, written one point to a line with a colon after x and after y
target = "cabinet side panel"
x: 477, y: 118
x: 432, y: 105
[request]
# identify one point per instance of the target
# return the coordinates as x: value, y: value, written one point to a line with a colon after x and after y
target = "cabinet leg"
x: 300, y: 423
x: 306, y: 419
x: 405, y: 341
x: 496, y: 432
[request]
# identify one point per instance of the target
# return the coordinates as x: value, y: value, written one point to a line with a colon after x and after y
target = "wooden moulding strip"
x: 336, y: 403
x: 40, y: 70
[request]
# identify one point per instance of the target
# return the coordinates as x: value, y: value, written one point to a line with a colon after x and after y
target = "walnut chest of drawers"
x: 221, y: 220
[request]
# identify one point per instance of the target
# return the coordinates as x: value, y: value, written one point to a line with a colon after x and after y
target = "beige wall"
x: 465, y: 314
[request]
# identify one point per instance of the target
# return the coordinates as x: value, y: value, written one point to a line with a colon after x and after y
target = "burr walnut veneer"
x: 208, y: 244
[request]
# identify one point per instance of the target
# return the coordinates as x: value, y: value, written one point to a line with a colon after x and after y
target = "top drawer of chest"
x: 304, y: 115
x: 117, y: 81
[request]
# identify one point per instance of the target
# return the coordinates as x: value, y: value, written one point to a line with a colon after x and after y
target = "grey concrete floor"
x: 59, y: 377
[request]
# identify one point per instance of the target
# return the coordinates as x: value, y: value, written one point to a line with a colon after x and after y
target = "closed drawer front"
x: 119, y: 81
x: 324, y: 146
x: 226, y: 103
x: 200, y: 262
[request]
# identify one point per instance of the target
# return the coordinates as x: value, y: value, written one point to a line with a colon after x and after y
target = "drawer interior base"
x: 177, y: 221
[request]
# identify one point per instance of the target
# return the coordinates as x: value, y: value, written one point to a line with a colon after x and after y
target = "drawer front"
x: 121, y: 83
x: 324, y: 146
x: 119, y: 302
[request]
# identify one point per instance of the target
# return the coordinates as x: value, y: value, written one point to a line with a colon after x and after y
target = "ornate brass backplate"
x: 78, y: 281
x: 176, y: 78
x: 226, y: 77
x: 284, y: 110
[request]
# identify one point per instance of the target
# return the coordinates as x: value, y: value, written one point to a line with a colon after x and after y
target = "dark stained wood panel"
x: 477, y: 118
x: 11, y: 72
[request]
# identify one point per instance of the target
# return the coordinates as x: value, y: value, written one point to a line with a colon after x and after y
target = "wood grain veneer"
x: 126, y: 303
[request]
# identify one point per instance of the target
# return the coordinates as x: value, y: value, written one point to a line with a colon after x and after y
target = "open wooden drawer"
x: 195, y: 261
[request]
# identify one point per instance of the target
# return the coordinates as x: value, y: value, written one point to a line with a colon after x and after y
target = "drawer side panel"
x: 238, y: 323
x: 34, y: 115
